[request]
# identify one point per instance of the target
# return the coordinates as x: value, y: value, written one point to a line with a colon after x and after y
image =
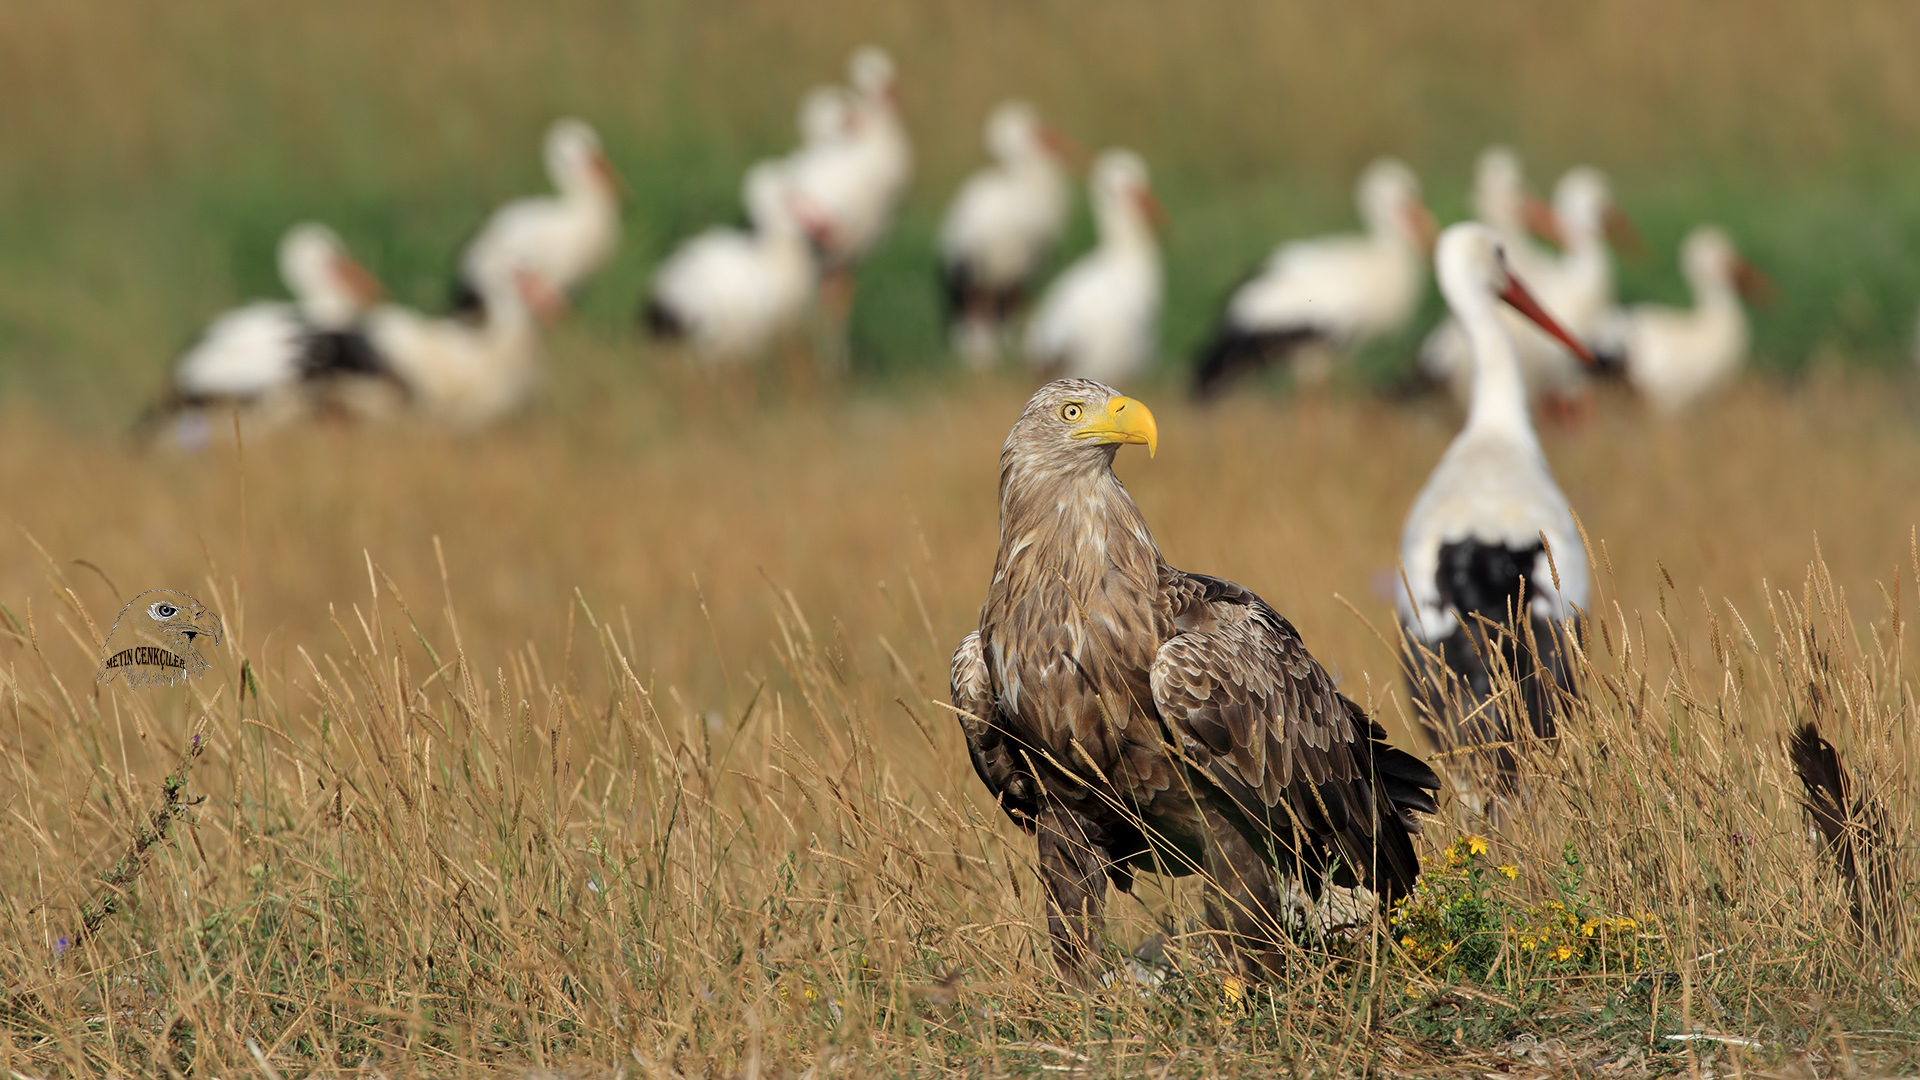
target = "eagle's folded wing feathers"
x: 1262, y: 719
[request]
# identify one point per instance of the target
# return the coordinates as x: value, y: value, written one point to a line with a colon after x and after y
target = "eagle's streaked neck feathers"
x: 1070, y: 511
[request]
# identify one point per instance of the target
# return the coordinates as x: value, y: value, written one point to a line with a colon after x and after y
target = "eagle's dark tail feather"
x: 1409, y: 785
x: 1854, y: 828
x: 1233, y: 352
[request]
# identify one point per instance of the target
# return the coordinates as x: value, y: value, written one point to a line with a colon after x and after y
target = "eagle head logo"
x: 156, y: 640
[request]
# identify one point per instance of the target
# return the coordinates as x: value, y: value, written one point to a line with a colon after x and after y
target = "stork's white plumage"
x: 563, y: 238
x: 1490, y: 536
x: 1100, y: 318
x: 852, y: 179
x: 1000, y: 228
x: 270, y: 346
x: 1576, y: 288
x: 461, y: 372
x: 1339, y: 290
x: 730, y: 293
x: 1671, y: 357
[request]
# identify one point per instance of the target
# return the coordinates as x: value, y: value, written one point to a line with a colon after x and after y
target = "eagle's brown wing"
x: 1295, y: 759
x: 993, y: 753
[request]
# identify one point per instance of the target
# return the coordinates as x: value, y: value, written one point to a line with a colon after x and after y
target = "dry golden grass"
x: 611, y: 740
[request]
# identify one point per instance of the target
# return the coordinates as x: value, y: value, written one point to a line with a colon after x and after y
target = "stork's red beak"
x: 1757, y: 288
x: 1150, y: 208
x: 364, y: 287
x: 1623, y: 233
x: 1538, y: 216
x: 1059, y: 145
x: 610, y: 176
x: 1522, y: 301
x: 1420, y: 220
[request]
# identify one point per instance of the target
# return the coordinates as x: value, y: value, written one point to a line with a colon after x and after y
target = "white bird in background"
x: 854, y: 168
x: 732, y: 294
x: 826, y: 115
x: 1339, y: 290
x: 563, y: 238
x: 1671, y: 357
x: 1101, y: 317
x: 1502, y: 202
x: 1577, y: 288
x: 462, y: 372
x: 1490, y: 535
x: 262, y: 354
x: 1001, y: 227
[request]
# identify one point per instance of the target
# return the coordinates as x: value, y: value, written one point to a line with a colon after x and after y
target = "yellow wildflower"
x: 1408, y: 942
x: 1476, y: 845
x: 1564, y: 952
x: 1527, y: 943
x: 1591, y: 925
x: 1234, y: 988
x: 1624, y: 923
x: 1512, y: 872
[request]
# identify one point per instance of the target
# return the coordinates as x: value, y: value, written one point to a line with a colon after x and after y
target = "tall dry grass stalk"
x: 450, y: 828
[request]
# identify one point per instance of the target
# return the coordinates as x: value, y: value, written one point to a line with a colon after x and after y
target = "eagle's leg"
x: 1074, y: 873
x: 1243, y: 898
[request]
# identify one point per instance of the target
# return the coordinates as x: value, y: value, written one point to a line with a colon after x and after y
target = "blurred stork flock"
x: 735, y: 295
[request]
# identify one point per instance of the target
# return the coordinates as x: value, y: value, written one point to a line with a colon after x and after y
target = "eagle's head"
x: 1075, y: 424
x: 156, y: 639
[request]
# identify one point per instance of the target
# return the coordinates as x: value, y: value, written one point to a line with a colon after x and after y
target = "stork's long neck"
x: 1121, y: 225
x: 1713, y: 292
x: 1499, y: 391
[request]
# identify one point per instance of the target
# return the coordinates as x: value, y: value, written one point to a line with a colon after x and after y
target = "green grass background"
x: 150, y: 155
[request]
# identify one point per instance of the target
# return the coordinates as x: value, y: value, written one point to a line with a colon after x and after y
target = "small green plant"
x: 1469, y: 912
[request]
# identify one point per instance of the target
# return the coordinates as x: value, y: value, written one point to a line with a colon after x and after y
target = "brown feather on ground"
x: 1854, y: 828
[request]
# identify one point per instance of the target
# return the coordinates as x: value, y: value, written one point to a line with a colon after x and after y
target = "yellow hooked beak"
x: 1123, y: 421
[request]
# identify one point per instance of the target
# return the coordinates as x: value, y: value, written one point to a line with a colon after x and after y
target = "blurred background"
x: 150, y: 156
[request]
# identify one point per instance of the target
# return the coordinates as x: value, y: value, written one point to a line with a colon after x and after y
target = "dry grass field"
x: 612, y: 741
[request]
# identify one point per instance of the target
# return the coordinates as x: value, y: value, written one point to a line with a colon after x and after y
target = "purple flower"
x: 60, y: 946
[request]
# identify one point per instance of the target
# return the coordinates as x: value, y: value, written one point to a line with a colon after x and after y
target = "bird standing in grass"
x: 732, y: 294
x: 1672, y: 358
x: 1337, y: 291
x: 1100, y: 319
x: 564, y: 239
x: 461, y: 373
x: 271, y: 357
x: 1577, y: 288
x: 1138, y: 718
x: 1495, y: 571
x: 1000, y: 228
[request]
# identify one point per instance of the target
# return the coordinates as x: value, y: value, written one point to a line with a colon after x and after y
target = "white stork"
x: 1490, y: 539
x: 729, y: 293
x: 1337, y: 290
x: 467, y: 373
x: 1101, y: 317
x: 854, y: 167
x: 1000, y: 228
x: 563, y: 238
x: 1672, y: 358
x: 1577, y: 288
x: 264, y: 354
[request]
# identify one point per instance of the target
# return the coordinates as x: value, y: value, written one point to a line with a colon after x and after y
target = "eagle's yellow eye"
x: 1071, y: 411
x: 163, y: 610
